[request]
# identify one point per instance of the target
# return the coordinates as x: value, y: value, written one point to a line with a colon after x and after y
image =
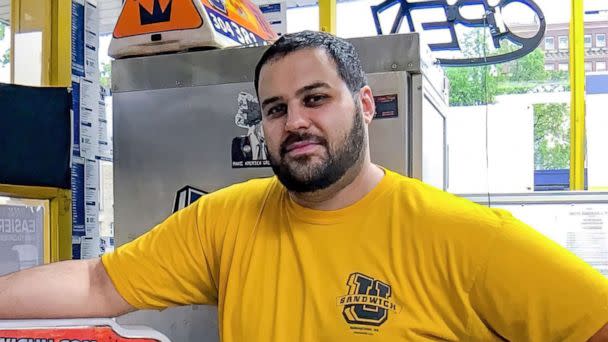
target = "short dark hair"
x: 341, y: 52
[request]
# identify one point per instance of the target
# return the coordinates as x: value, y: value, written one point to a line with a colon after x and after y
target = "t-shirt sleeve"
x: 170, y: 265
x: 532, y: 289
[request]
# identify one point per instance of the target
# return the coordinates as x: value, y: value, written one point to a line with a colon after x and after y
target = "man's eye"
x: 314, y: 100
x: 277, y: 110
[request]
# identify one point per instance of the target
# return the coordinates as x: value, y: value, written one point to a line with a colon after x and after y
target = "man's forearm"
x: 69, y: 289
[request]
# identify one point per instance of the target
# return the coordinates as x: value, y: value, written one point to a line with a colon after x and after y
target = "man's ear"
x: 368, y: 106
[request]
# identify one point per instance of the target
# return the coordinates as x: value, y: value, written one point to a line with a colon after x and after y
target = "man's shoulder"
x: 250, y: 191
x: 432, y: 203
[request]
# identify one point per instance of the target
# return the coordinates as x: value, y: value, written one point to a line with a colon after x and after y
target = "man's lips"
x: 301, y: 145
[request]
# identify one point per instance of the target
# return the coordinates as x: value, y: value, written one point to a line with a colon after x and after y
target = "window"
x: 600, y: 40
x: 563, y: 42
x: 588, y: 41
x: 29, y: 250
x: 563, y: 67
x: 5, y: 45
x: 549, y: 67
x: 588, y: 66
x: 600, y: 66
x: 549, y: 43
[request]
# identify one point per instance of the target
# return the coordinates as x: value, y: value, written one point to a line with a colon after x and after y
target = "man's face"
x: 313, y: 127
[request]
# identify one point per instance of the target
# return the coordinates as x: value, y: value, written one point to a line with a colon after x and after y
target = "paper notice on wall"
x: 75, y: 116
x: 276, y: 15
x: 107, y: 244
x: 581, y: 228
x: 586, y: 234
x: 89, y: 247
x: 89, y: 121
x: 104, y: 141
x: 91, y: 41
x: 91, y: 198
x: 75, y: 247
x: 78, y: 19
x: 78, y: 190
x: 21, y: 237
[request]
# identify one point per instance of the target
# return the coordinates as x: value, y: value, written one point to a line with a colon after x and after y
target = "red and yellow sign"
x: 81, y: 334
x: 244, y: 13
x: 152, y: 16
x: 228, y: 17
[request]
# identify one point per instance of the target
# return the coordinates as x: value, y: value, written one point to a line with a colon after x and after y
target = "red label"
x: 85, y: 334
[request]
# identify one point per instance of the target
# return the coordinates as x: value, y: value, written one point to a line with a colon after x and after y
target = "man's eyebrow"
x: 299, y: 92
x: 270, y: 100
x: 312, y: 87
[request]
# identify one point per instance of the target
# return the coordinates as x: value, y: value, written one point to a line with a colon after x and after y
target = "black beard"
x: 328, y: 173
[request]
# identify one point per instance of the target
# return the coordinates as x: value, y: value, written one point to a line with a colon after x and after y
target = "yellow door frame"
x: 327, y: 16
x: 58, y: 238
x: 54, y: 19
x: 577, y: 95
x: 54, y: 22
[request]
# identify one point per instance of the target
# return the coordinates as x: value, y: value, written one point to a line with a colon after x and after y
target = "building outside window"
x: 563, y: 42
x: 588, y: 41
x: 600, y: 66
x: 600, y: 40
x: 5, y: 46
x: 588, y: 66
x: 563, y: 67
x: 549, y: 67
x: 549, y: 43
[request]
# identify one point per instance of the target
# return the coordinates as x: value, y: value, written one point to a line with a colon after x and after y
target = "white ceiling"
x: 108, y: 14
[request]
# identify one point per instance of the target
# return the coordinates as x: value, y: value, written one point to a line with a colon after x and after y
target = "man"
x: 334, y: 248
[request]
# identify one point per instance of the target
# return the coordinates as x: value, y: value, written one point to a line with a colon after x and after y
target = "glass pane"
x: 508, y: 126
x: 549, y: 43
x: 600, y: 40
x: 5, y: 46
x: 588, y: 40
x: 106, y: 179
x: 302, y: 18
x: 563, y: 42
x: 23, y: 225
x: 596, y: 58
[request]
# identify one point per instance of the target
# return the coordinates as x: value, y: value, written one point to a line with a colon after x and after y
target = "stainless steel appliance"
x: 188, y: 121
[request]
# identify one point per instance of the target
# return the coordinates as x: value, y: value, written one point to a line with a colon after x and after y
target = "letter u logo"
x: 367, y: 314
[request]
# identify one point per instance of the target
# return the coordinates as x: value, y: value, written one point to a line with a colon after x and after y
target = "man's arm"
x: 69, y: 289
x: 601, y: 335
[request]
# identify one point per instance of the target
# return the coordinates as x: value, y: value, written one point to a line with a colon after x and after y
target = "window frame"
x: 559, y: 43
x: 597, y: 44
x: 590, y: 43
x: 552, y: 39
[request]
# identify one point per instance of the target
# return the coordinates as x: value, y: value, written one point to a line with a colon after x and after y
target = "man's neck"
x: 345, y: 192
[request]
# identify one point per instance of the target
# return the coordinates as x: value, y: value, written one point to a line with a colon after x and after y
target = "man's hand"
x: 69, y: 289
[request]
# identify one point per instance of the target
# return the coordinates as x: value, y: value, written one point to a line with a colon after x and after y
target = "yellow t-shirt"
x: 406, y: 262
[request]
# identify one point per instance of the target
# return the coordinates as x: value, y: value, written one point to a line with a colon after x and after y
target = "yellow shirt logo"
x: 368, y: 301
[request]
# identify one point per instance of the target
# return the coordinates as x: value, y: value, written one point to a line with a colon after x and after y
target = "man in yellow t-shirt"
x: 334, y: 248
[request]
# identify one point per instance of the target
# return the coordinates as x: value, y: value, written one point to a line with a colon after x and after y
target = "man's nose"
x: 297, y: 119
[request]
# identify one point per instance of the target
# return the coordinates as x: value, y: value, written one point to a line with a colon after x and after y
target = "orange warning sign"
x: 151, y: 16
